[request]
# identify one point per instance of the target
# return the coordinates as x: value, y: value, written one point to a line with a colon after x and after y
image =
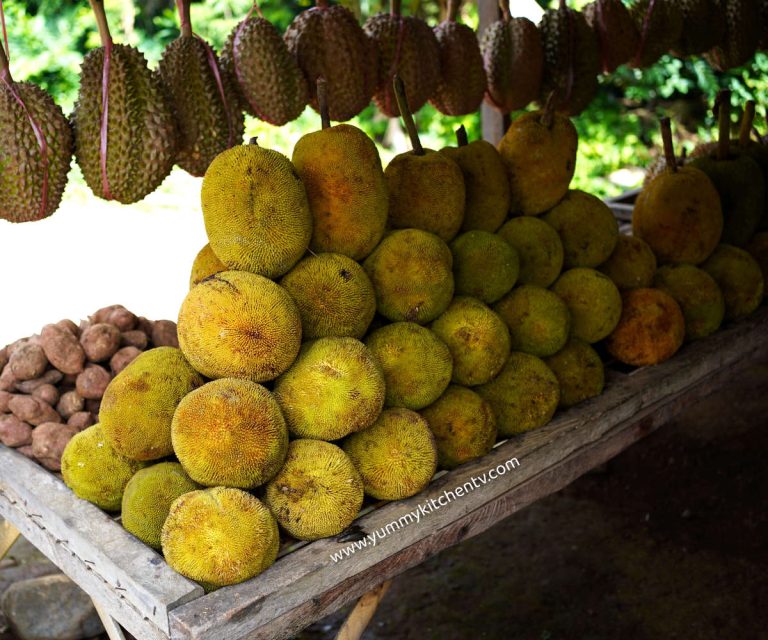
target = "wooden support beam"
x: 8, y: 535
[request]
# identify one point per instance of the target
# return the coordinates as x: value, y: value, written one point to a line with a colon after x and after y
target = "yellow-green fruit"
x: 206, y: 264
x: 148, y: 497
x: 426, y: 192
x: 317, y: 493
x: 539, y: 248
x: 231, y: 433
x: 758, y: 249
x: 346, y: 189
x: 412, y: 274
x: 698, y: 295
x: 739, y: 277
x: 334, y: 295
x: 540, y: 159
x: 463, y: 425
x: 477, y: 338
x: 95, y: 471
x: 485, y: 266
x: 539, y: 321
x: 219, y: 536
x: 237, y: 324
x: 651, y: 329
x: 417, y: 365
x: 334, y: 388
x: 631, y: 265
x: 587, y: 229
x: 396, y: 456
x: 486, y: 201
x: 579, y: 370
x: 523, y: 396
x: 255, y: 210
x: 593, y: 300
x: 137, y: 407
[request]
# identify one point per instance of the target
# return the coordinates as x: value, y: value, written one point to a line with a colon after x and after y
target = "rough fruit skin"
x: 461, y: 85
x: 741, y: 37
x: 205, y: 264
x: 739, y: 277
x: 758, y: 249
x: 485, y: 266
x: 631, y: 265
x: 328, y: 42
x: 651, y: 329
x: 463, y: 425
x: 347, y: 193
x: 21, y: 162
x: 270, y: 84
x: 426, y: 192
x: 593, y: 300
x: 317, y: 493
x: 703, y: 27
x: 579, y: 371
x: 237, y: 324
x: 540, y: 161
x: 539, y: 248
x: 411, y: 272
x: 334, y: 295
x: 617, y: 35
x: 523, y: 396
x: 231, y: 433
x: 148, y: 497
x: 477, y: 338
x: 95, y: 471
x: 396, y: 456
x: 417, y: 365
x: 138, y: 111
x: 659, y: 24
x: 219, y: 536
x: 255, y: 210
x: 137, y: 408
x: 335, y: 387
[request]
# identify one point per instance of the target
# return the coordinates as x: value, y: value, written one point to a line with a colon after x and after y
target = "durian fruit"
x: 255, y: 210
x: 412, y: 275
x: 477, y: 338
x: 593, y: 300
x: 741, y: 37
x: 485, y: 266
x: 346, y: 190
x: 202, y: 97
x: 703, y: 27
x: 417, y: 365
x: 95, y: 471
x: 127, y: 154
x: 219, y: 536
x: 698, y: 295
x: 138, y: 404
x: 758, y: 249
x: 539, y: 152
x: 35, y: 149
x: 523, y: 396
x: 205, y: 264
x: 317, y: 493
x: 461, y: 84
x: 407, y: 47
x: 539, y: 248
x: 659, y: 24
x: 486, y: 186
x: 237, y: 324
x: 571, y: 59
x: 426, y: 189
x: 269, y: 81
x: 328, y: 43
x: 463, y: 425
x: 678, y: 213
x: 148, y: 497
x: 757, y: 150
x: 651, y: 328
x: 230, y: 433
x: 579, y: 371
x: 632, y: 263
x: 739, y: 277
x: 514, y: 61
x: 334, y: 296
x: 396, y: 456
x: 335, y: 387
x: 587, y: 229
x: 617, y: 34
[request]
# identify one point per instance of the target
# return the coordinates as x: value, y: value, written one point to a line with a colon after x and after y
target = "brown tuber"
x: 14, y: 432
x: 81, y: 420
x: 47, y: 393
x: 62, y: 349
x: 28, y: 361
x: 123, y: 358
x: 52, y: 376
x: 134, y: 338
x: 92, y: 382
x: 164, y: 334
x: 70, y: 403
x: 117, y: 315
x: 48, y: 442
x: 32, y: 410
x: 100, y: 341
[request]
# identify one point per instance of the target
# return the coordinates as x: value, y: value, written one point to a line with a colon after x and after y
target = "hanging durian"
x: 617, y: 34
x: 660, y: 23
x: 742, y: 33
x: 703, y: 27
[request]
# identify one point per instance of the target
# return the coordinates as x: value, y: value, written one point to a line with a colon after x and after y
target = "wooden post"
x: 8, y: 535
x: 491, y: 119
x: 114, y: 631
x: 362, y: 613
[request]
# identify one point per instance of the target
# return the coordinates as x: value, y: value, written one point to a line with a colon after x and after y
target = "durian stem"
x: 322, y: 102
x: 724, y: 124
x: 669, y: 147
x: 395, y: 7
x: 461, y: 136
x: 563, y: 5
x: 405, y: 112
x: 101, y: 21
x: 548, y: 117
x: 453, y: 10
x: 254, y: 141
x: 746, y: 123
x: 506, y: 16
x: 5, y: 70
x: 322, y: 4
x: 183, y: 7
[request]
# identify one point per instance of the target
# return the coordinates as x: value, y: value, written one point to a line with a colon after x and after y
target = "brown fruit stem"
x: 453, y: 10
x: 5, y: 71
x: 395, y: 7
x: 322, y: 102
x: 254, y: 141
x: 746, y: 123
x: 548, y: 115
x: 405, y: 112
x: 724, y: 124
x: 669, y: 147
x: 322, y: 4
x: 183, y: 7
x: 461, y: 136
x: 101, y: 21
x: 563, y: 5
x: 506, y: 16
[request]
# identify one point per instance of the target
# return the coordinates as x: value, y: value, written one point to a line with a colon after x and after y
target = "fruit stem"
x: 5, y: 70
x: 183, y: 7
x: 669, y: 146
x: 746, y: 123
x: 322, y: 102
x: 548, y: 116
x: 723, y: 103
x: 254, y: 141
x: 453, y: 10
x: 461, y: 136
x: 563, y: 4
x: 506, y: 16
x: 322, y: 4
x: 405, y: 112
x: 395, y: 7
x: 101, y: 21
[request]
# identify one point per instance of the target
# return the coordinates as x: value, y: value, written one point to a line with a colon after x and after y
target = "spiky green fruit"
x: 579, y: 372
x: 539, y: 248
x: 485, y: 266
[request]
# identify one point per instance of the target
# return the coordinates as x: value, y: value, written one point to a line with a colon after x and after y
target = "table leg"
x: 362, y: 613
x: 8, y: 535
x: 113, y: 629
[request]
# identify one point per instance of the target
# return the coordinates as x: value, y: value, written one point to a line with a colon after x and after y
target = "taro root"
x: 62, y: 349
x: 134, y: 338
x: 100, y: 341
x: 164, y: 334
x: 92, y: 382
x: 28, y: 362
x: 122, y: 359
x: 32, y: 410
x: 70, y: 403
x: 52, y: 376
x: 48, y: 442
x: 14, y: 432
x: 47, y: 393
x: 81, y: 420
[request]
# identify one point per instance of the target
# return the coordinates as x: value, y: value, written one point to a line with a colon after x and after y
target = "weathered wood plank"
x: 130, y: 581
x: 308, y: 582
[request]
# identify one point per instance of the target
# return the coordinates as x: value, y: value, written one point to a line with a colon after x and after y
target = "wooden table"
x: 133, y: 585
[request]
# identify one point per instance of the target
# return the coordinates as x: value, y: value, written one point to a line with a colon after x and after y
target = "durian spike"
x: 453, y: 10
x: 723, y: 107
x: 461, y: 136
x: 746, y: 123
x: 322, y: 102
x: 405, y: 112
x: 548, y: 115
x: 183, y: 7
x: 669, y: 147
x: 506, y: 16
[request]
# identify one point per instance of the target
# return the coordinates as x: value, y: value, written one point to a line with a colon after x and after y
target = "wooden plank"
x: 308, y: 583
x: 8, y: 535
x: 130, y: 581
